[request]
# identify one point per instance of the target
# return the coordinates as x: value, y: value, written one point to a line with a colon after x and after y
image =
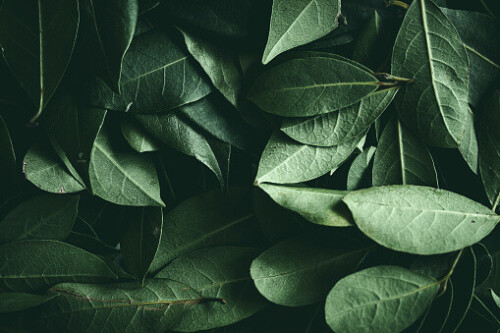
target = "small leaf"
x: 310, y: 86
x: 295, y: 23
x: 35, y: 265
x: 217, y: 273
x: 301, y: 270
x: 495, y: 298
x: 138, y: 137
x: 12, y: 302
x: 320, y: 206
x: 121, y: 176
x: 285, y: 161
x: 429, y: 50
x: 401, y: 158
x: 379, y: 299
x: 420, y: 220
x: 359, y: 173
x: 47, y: 216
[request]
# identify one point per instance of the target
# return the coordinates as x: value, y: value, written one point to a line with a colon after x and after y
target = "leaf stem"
x: 487, y: 9
x: 452, y: 269
x: 397, y: 3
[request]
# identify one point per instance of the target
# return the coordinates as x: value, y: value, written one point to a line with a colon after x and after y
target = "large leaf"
x: 489, y: 149
x: 35, y: 265
x: 46, y: 216
x: 114, y: 22
x: 12, y: 302
x: 429, y: 50
x: 335, y: 128
x: 379, y: 299
x: 301, y: 270
x: 310, y: 86
x: 479, y: 34
x: 420, y: 220
x: 37, y: 43
x: 295, y: 23
x: 359, y: 175
x: 173, y: 130
x: 44, y: 169
x: 123, y: 307
x: 140, y: 239
x: 220, y: 62
x: 401, y: 158
x: 157, y: 75
x: 317, y: 205
x: 285, y: 161
x: 122, y: 176
x: 216, y: 272
x: 209, y: 219
x: 8, y: 174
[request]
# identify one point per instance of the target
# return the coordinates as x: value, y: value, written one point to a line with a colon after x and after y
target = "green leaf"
x: 489, y: 149
x: 173, y: 130
x: 420, y: 220
x: 311, y: 86
x: 367, y: 40
x: 8, y: 175
x: 429, y: 50
x: 208, y: 219
x: 138, y: 137
x: 114, y: 22
x: 35, y: 265
x: 335, y: 128
x: 140, y: 239
x: 220, y: 62
x: 317, y: 205
x: 120, y: 176
x: 402, y: 159
x: 216, y: 272
x: 37, y: 42
x: 155, y: 307
x: 479, y: 35
x: 44, y: 169
x: 359, y: 173
x: 469, y: 147
x: 301, y: 270
x: 12, y: 302
x: 295, y: 23
x: 495, y: 298
x: 46, y: 216
x: 157, y: 75
x: 285, y: 161
x: 379, y: 299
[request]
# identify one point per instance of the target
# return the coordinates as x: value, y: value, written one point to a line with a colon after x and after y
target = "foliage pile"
x: 249, y: 166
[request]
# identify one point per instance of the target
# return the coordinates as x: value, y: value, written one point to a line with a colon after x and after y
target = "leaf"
x: 37, y: 43
x: 208, y: 219
x: 359, y: 172
x: 420, y: 220
x: 367, y: 40
x: 114, y: 22
x: 173, y: 130
x: 138, y: 138
x: 46, y: 216
x: 310, y: 86
x: 140, y: 239
x: 317, y: 205
x: 12, y: 302
x: 429, y: 50
x: 489, y: 149
x: 479, y: 35
x: 155, y: 307
x: 299, y: 22
x: 157, y: 75
x: 335, y: 128
x: 220, y: 62
x: 285, y: 161
x: 495, y: 298
x: 120, y: 176
x: 216, y: 272
x: 402, y: 159
x: 218, y: 118
x: 35, y: 265
x: 379, y: 299
x: 8, y: 175
x: 313, y: 263
x: 469, y: 147
x: 43, y: 168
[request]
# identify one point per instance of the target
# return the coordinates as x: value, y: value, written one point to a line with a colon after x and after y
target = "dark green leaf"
x: 359, y: 173
x: 11, y: 302
x: 8, y: 174
x: 138, y: 137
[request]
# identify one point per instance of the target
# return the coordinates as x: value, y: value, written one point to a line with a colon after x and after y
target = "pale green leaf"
x: 469, y: 146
